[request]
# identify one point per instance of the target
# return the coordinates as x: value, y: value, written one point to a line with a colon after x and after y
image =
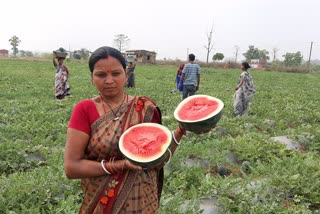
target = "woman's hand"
x: 131, y: 166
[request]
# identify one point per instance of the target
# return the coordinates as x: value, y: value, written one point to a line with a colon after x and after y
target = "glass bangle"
x: 170, y: 155
x: 175, y: 140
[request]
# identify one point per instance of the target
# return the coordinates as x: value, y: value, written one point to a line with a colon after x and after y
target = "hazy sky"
x: 172, y: 28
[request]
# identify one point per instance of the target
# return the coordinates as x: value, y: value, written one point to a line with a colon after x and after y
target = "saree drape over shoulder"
x: 244, y: 94
x: 127, y: 191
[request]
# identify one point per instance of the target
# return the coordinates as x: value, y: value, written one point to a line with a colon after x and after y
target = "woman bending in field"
x: 244, y: 91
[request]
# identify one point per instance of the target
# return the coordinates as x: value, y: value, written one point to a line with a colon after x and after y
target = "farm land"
x: 277, y: 177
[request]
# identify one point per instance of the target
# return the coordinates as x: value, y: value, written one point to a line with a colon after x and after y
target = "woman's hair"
x: 104, y: 52
x: 246, y: 65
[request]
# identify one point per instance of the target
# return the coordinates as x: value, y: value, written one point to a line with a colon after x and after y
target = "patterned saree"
x: 127, y: 191
x: 61, y: 82
x: 243, y: 95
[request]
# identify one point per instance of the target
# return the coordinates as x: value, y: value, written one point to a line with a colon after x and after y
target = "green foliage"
x: 83, y: 53
x: 26, y: 53
x: 218, y: 56
x: 293, y: 59
x: 14, y: 42
x: 255, y: 53
x: 33, y: 133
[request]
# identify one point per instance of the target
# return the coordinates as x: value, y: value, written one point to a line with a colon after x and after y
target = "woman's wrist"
x: 104, y: 167
x: 181, y: 131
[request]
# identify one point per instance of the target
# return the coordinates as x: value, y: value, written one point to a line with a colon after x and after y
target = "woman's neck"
x: 115, y: 101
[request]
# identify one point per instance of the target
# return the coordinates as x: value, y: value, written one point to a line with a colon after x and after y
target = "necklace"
x: 115, y: 114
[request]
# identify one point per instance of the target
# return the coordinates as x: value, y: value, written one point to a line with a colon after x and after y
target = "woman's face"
x: 60, y: 61
x: 109, y: 77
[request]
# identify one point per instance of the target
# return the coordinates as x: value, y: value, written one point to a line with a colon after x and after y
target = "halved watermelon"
x: 199, y: 113
x: 146, y: 144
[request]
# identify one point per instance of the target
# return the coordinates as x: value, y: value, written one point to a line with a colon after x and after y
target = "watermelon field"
x: 239, y: 167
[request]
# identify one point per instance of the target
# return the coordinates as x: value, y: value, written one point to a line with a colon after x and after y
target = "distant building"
x: 258, y: 64
x: 4, y: 53
x: 142, y: 56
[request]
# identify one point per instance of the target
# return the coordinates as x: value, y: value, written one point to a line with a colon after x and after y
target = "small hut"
x: 143, y: 56
x: 4, y: 53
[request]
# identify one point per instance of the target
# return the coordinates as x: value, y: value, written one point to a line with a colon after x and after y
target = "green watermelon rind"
x: 151, y: 164
x: 204, y: 124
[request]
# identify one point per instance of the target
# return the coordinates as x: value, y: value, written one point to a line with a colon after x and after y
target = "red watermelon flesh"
x: 144, y: 142
x: 197, y: 108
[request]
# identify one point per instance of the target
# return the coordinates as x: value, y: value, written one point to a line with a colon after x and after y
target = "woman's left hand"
x: 131, y: 166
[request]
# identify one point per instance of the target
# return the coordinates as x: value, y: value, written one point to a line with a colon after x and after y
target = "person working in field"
x: 178, y: 77
x: 62, y: 87
x: 110, y: 183
x: 190, y: 78
x: 244, y: 91
x: 130, y: 75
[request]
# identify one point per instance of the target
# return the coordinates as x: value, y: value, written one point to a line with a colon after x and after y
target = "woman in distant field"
x: 62, y: 87
x: 178, y: 76
x: 244, y: 91
x: 130, y: 75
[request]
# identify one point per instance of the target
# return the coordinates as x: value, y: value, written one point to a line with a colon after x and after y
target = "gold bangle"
x: 104, y: 168
x: 111, y: 169
x: 174, y: 138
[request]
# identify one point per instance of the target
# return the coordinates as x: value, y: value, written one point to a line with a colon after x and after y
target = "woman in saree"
x: 62, y: 87
x: 130, y: 75
x: 244, y: 91
x: 110, y: 183
x: 178, y: 76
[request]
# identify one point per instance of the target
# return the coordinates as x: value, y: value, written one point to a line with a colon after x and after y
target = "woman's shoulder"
x: 86, y: 104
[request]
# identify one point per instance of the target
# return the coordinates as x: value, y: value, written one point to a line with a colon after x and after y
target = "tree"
x: 14, y: 42
x: 274, y: 53
x: 236, y: 53
x: 255, y: 53
x: 293, y: 59
x: 209, y: 45
x: 121, y: 41
x: 83, y: 53
x: 22, y: 53
x: 26, y: 53
x: 218, y: 56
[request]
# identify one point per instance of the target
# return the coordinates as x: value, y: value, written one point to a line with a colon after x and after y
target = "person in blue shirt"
x: 190, y: 78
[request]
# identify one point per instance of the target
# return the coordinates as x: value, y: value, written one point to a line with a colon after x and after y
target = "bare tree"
x: 274, y: 53
x: 209, y: 45
x: 236, y: 53
x: 121, y: 41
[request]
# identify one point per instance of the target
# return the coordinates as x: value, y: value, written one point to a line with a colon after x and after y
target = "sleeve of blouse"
x: 79, y: 119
